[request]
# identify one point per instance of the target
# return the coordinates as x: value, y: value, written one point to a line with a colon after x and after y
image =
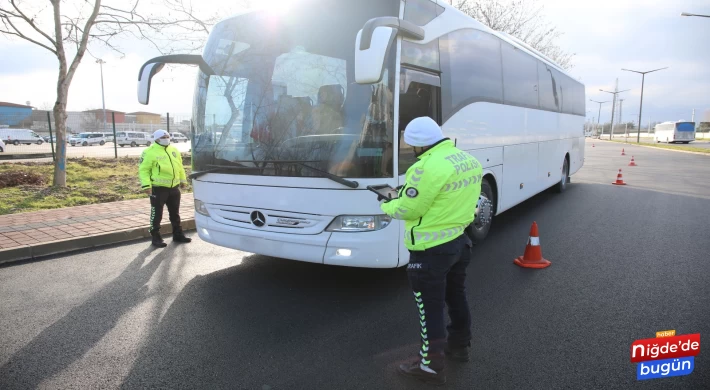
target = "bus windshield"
x: 284, y: 95
x: 685, y: 126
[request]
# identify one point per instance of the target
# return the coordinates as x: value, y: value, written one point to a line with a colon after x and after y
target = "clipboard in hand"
x: 384, y: 191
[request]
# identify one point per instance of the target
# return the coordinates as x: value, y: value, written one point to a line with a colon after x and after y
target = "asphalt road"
x: 107, y: 150
x: 626, y: 262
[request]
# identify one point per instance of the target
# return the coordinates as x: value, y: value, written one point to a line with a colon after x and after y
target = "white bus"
x: 672, y: 132
x: 312, y: 104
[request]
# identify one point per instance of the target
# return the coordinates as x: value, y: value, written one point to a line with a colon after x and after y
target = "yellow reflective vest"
x: 438, y: 200
x: 161, y: 166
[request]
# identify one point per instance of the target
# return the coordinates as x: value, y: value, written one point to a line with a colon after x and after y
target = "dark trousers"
x: 165, y: 196
x: 438, y: 277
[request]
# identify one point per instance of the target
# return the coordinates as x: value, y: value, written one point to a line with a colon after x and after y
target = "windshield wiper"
x: 326, y: 175
x: 340, y: 180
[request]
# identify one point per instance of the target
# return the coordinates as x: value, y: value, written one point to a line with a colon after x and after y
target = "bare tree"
x: 522, y: 19
x: 71, y: 27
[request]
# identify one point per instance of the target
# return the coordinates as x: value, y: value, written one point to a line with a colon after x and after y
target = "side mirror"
x: 144, y: 78
x: 370, y: 63
x: 155, y: 65
x: 373, y: 43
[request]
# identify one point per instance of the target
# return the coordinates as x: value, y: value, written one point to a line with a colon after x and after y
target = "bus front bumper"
x: 377, y: 249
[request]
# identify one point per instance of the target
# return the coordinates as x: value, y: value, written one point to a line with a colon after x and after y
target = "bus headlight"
x: 359, y: 223
x: 201, y: 208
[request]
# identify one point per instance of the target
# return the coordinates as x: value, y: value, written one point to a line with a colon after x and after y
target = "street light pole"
x: 600, y: 113
x: 613, y: 106
x: 103, y: 102
x: 643, y: 79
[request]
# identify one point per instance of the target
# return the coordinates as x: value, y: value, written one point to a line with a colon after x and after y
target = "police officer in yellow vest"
x: 437, y: 203
x: 162, y: 174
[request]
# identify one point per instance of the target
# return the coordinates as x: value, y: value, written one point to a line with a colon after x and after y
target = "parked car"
x: 178, y: 137
x: 20, y: 136
x: 87, y: 139
x: 53, y: 138
x: 133, y: 138
x: 2, y: 146
x: 109, y: 137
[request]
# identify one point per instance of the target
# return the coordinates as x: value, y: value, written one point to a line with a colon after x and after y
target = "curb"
x: 34, y: 252
x: 657, y: 148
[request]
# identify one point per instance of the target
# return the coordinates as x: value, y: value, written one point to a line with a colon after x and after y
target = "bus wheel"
x: 16, y: 143
x: 482, y: 224
x: 562, y: 185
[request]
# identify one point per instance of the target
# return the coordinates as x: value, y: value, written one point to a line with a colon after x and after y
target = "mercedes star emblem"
x: 258, y: 219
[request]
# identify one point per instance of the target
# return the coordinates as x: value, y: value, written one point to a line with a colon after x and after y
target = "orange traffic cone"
x: 619, y: 180
x: 533, y: 253
x: 622, y: 152
x: 632, y: 163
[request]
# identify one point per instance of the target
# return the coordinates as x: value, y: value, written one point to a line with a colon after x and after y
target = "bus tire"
x: 478, y: 229
x: 16, y: 143
x: 561, y: 186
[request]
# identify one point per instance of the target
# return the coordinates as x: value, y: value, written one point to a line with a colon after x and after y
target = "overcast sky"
x: 606, y: 35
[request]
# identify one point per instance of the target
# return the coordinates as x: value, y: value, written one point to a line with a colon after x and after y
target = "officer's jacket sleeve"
x: 144, y: 169
x: 183, y: 178
x: 415, y: 198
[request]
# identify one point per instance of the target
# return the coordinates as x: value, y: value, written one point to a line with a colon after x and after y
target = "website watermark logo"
x: 666, y: 355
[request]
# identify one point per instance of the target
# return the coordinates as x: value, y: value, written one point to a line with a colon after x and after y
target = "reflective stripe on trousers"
x: 422, y: 321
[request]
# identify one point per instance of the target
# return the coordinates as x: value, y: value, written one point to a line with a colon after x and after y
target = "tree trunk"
x: 60, y: 124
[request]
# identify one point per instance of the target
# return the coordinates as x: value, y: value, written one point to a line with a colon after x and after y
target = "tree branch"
x: 84, y: 40
x: 32, y: 23
x: 6, y: 21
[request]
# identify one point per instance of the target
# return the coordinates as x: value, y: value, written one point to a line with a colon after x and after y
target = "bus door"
x: 419, y: 95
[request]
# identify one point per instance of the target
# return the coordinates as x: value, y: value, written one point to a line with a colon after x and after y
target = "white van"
x: 178, y: 137
x: 133, y: 138
x: 2, y: 146
x: 87, y: 139
x: 20, y: 136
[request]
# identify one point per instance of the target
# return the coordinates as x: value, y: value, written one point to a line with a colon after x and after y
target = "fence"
x: 33, y: 137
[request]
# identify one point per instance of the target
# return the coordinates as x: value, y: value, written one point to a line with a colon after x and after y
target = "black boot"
x: 414, y: 370
x: 459, y: 354
x: 157, y: 240
x: 179, y: 236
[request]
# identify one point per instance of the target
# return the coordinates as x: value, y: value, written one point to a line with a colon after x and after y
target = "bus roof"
x: 475, y: 24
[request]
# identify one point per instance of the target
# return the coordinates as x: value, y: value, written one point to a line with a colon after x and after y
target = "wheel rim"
x: 485, y: 214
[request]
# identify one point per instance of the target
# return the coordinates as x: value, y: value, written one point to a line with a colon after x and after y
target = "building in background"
x: 703, y: 122
x: 99, y: 115
x: 15, y: 115
x: 143, y: 118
